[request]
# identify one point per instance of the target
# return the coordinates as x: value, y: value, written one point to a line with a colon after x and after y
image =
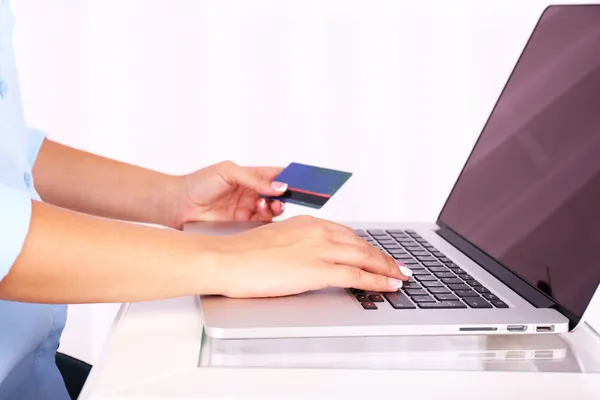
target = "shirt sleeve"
x: 36, y: 139
x: 15, y: 214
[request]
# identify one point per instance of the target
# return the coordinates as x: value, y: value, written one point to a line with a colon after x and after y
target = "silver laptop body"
x: 520, y: 221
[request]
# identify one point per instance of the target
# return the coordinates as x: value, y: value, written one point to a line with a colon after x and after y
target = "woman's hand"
x: 303, y: 254
x: 229, y: 192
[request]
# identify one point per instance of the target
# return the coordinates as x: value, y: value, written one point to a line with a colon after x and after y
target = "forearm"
x: 91, y: 184
x: 73, y: 258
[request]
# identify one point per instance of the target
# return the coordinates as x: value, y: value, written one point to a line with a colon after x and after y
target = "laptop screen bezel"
x: 522, y: 287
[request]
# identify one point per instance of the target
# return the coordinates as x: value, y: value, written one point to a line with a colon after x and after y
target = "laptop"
x: 516, y: 246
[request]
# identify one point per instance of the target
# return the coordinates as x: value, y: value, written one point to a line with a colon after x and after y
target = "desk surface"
x: 157, y: 350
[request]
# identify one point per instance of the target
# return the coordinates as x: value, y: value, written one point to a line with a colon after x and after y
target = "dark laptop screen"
x: 529, y: 195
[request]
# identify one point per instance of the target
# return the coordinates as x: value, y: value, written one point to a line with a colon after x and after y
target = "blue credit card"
x: 310, y: 186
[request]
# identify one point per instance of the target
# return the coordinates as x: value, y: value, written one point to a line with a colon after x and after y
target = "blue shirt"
x: 29, y: 333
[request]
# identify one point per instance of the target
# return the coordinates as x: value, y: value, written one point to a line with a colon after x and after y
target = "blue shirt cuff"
x: 15, y: 214
x: 36, y: 139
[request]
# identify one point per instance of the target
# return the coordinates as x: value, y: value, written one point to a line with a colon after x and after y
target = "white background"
x: 395, y: 91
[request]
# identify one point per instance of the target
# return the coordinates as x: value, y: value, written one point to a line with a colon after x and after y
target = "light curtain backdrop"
x: 394, y: 91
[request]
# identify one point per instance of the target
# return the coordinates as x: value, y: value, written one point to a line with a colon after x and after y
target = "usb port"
x: 516, y: 328
x: 549, y: 328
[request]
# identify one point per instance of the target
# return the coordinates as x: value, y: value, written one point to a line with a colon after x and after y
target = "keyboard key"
x: 387, y: 241
x: 411, y: 248
x: 477, y: 302
x: 446, y: 297
x: 376, y: 298
x: 398, y: 251
x: 481, y: 289
x: 399, y: 301
x: 499, y: 304
x: 391, y: 246
x: 445, y: 260
x: 377, y: 232
x: 473, y: 282
x: 416, y: 292
x: 423, y: 299
x: 446, y: 275
x: 425, y: 258
x: 420, y: 271
x: 400, y: 237
x: 410, y: 231
x: 466, y: 293
x: 437, y: 253
x: 422, y: 278
x: 431, y: 284
x: 412, y: 261
x: 404, y: 257
x: 455, y: 281
x: 413, y: 285
x: 437, y: 269
x: 455, y: 269
x: 458, y: 286
x: 442, y: 305
x: 439, y: 290
x: 367, y: 305
x: 419, y: 253
x: 361, y: 233
x: 434, y: 264
x: 396, y: 231
x: 362, y: 298
x: 490, y: 296
x: 357, y: 291
x: 397, y: 255
x: 408, y: 243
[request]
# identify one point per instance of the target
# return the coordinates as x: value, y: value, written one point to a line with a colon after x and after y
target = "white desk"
x: 156, y: 351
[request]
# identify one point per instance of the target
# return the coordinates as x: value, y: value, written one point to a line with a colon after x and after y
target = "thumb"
x: 251, y: 179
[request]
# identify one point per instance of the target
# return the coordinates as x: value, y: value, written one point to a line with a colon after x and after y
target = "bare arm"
x: 74, y: 258
x: 95, y: 185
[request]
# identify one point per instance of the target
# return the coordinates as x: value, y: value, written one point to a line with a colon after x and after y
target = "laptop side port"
x: 516, y: 328
x: 545, y: 329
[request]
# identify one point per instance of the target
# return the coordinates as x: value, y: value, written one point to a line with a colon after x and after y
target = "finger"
x: 363, y: 245
x: 251, y: 178
x: 263, y: 211
x: 366, y: 257
x: 277, y: 207
x: 350, y: 277
x: 268, y: 172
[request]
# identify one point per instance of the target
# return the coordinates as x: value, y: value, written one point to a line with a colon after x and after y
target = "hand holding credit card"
x: 310, y: 186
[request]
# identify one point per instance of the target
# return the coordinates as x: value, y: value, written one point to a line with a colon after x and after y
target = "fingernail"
x: 262, y: 203
x: 395, y: 283
x: 279, y: 186
x: 405, y: 271
x: 282, y: 206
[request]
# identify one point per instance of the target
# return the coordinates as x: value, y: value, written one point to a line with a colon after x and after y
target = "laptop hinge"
x: 533, y: 295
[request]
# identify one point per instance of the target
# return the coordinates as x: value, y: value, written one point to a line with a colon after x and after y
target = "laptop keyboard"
x: 437, y: 282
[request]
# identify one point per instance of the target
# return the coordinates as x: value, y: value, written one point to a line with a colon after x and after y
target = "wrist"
x: 213, y: 265
x: 170, y: 208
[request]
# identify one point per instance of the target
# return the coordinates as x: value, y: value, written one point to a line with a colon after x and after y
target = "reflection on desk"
x: 154, y: 349
x: 549, y: 353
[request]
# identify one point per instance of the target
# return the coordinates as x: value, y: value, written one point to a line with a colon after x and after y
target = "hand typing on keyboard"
x: 302, y: 254
x: 438, y: 283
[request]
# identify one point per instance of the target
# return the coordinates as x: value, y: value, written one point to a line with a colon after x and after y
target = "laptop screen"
x: 529, y: 194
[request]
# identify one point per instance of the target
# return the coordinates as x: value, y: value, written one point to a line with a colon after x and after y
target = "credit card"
x: 310, y: 186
